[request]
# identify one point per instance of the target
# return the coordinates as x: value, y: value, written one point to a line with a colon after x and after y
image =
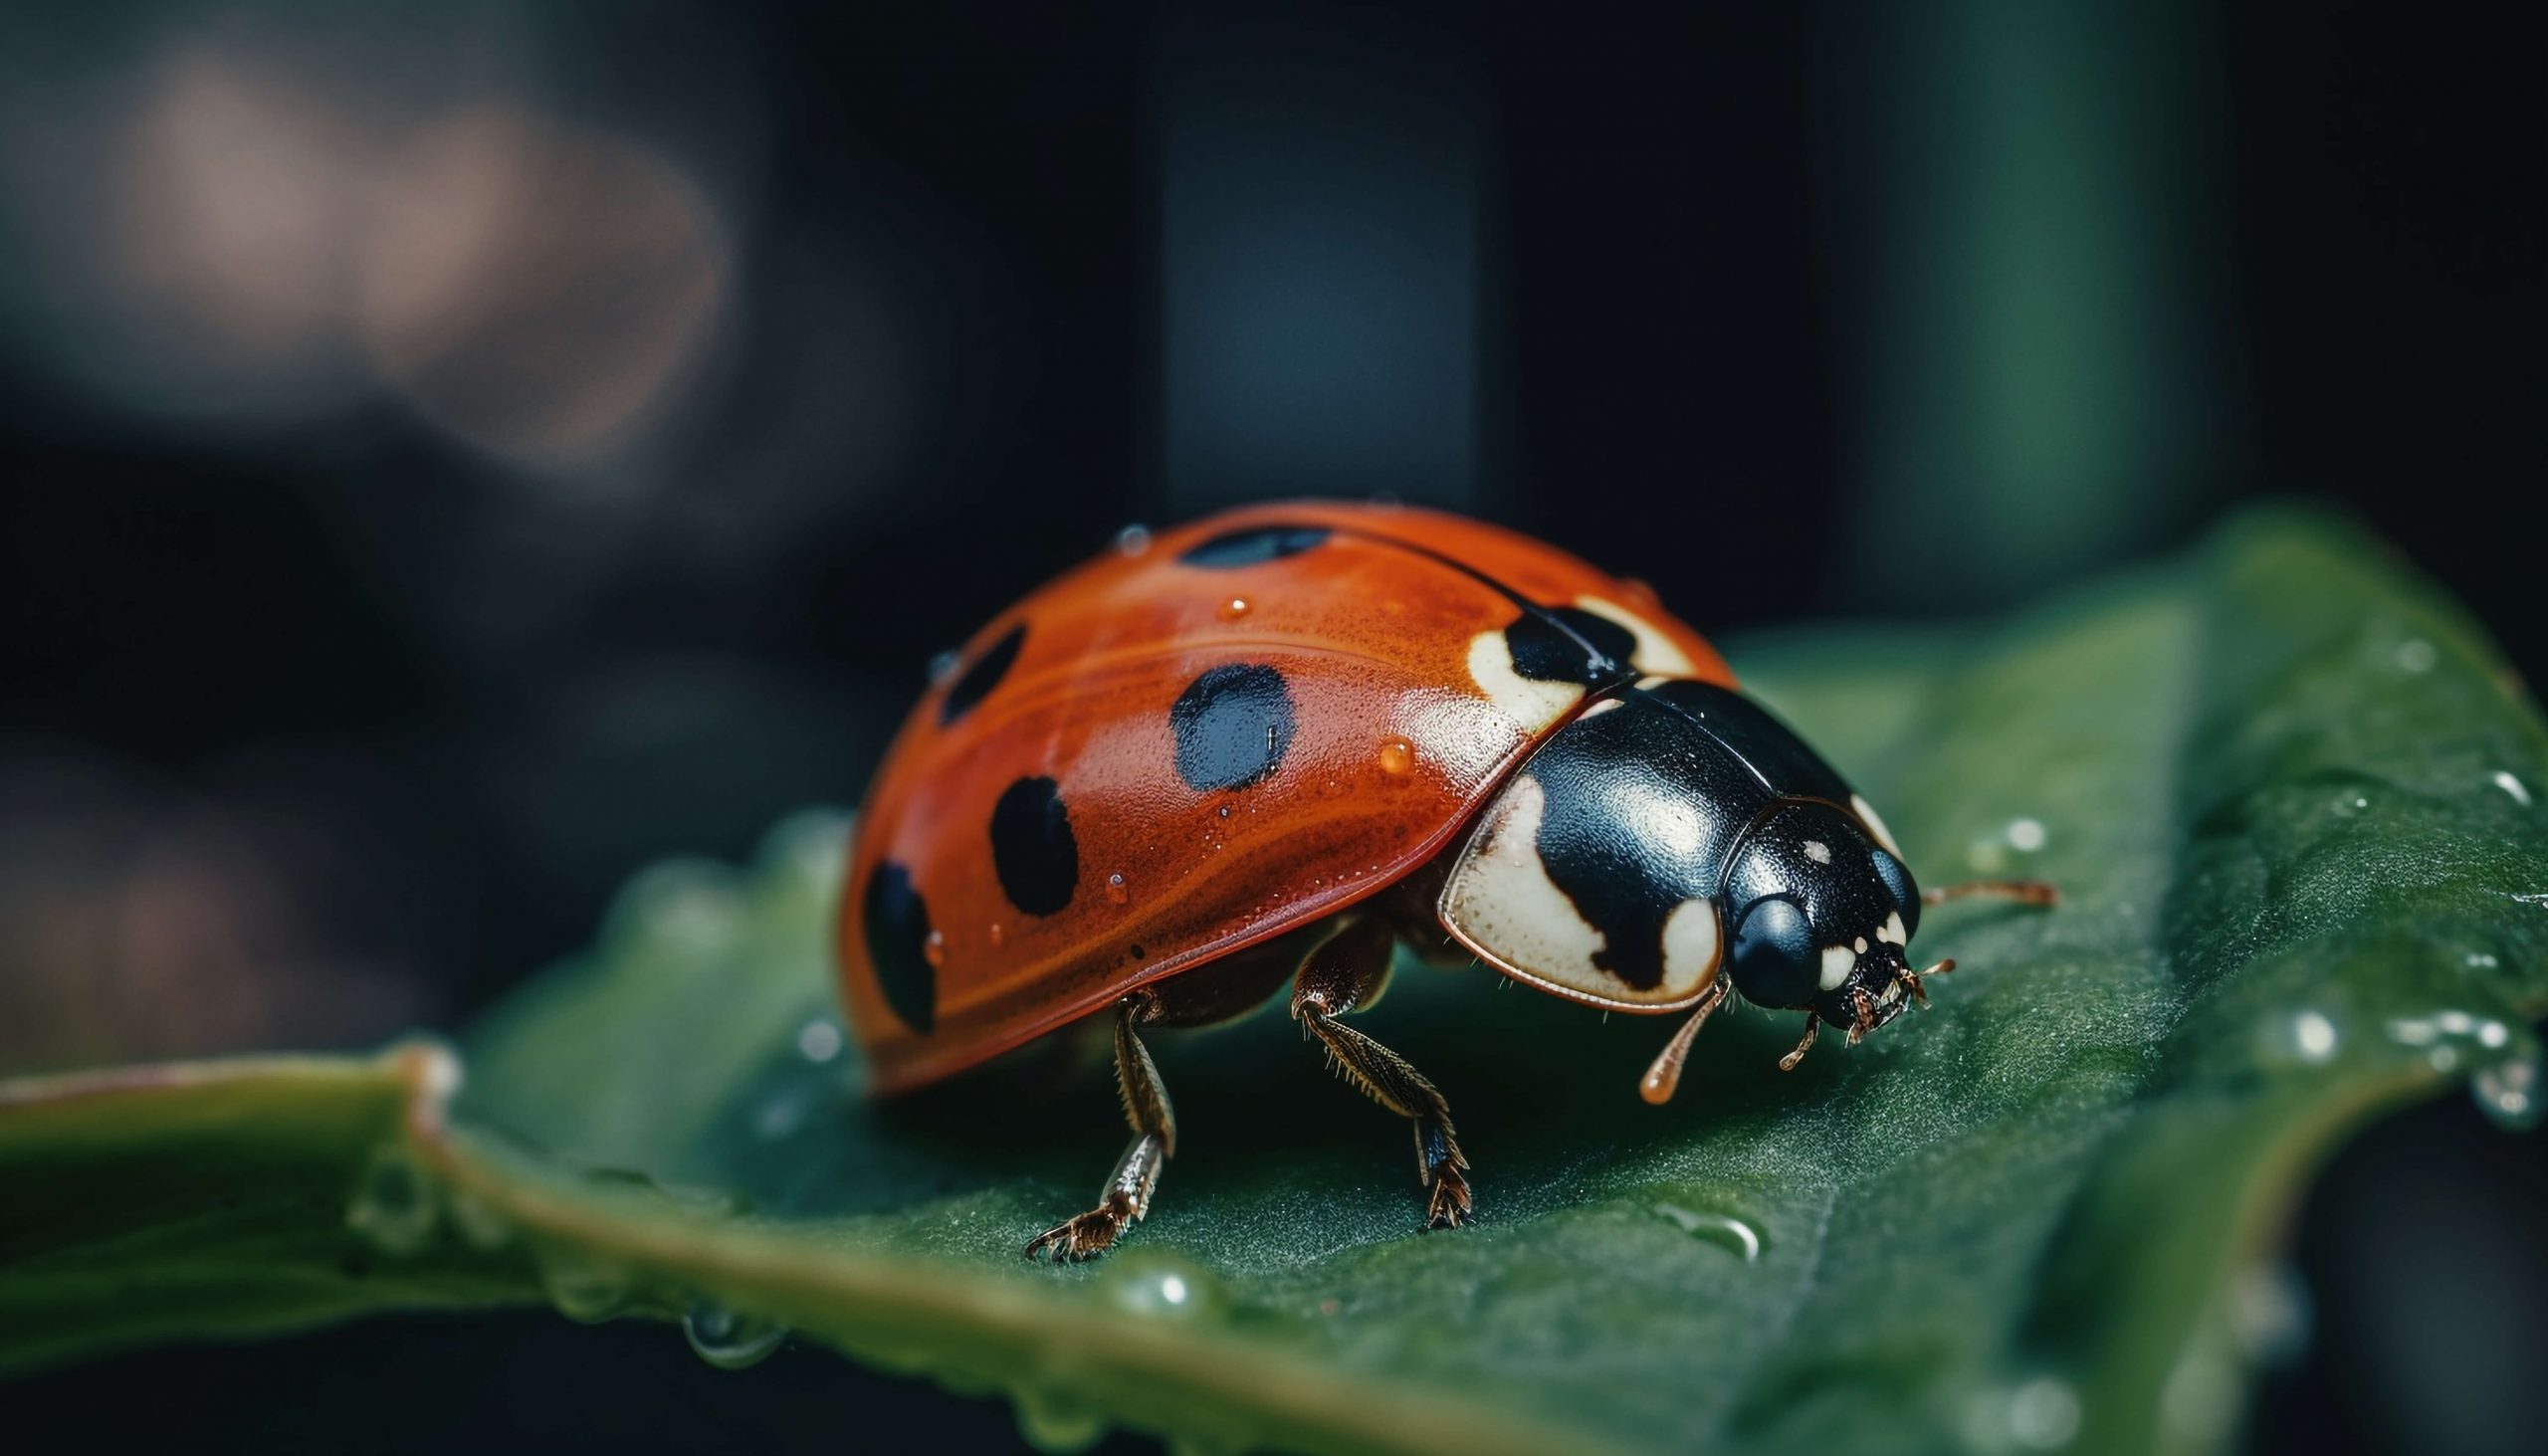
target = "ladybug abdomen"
x: 1176, y: 752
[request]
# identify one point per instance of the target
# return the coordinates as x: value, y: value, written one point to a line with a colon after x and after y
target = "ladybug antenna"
x: 1912, y: 980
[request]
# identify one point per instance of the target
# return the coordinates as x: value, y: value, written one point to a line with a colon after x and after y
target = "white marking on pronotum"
x: 1605, y: 705
x: 1837, y: 963
x: 1654, y: 652
x: 1891, y: 930
x: 1819, y: 852
x: 1690, y: 947
x: 1532, y: 705
x: 1875, y: 825
x: 1503, y: 902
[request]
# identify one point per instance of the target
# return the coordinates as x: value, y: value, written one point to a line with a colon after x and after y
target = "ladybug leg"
x: 1127, y: 1195
x: 1348, y: 970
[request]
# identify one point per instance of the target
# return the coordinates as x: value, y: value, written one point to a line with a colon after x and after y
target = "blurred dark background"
x: 457, y: 452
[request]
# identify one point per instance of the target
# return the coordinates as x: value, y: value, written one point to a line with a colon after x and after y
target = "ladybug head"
x: 1821, y: 917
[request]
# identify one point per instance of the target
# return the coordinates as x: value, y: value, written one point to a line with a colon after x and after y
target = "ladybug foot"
x: 1084, y: 1237
x: 1448, y: 1206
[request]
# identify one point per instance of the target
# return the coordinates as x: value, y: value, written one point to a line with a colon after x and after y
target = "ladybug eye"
x: 1897, y: 883
x: 1776, y: 963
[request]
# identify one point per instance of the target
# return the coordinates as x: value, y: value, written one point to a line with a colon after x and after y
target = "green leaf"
x: 2286, y: 790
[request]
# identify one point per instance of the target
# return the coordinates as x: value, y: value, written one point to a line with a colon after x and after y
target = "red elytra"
x: 1193, y: 743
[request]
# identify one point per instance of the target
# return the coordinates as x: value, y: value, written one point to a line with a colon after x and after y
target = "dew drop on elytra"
x: 933, y: 950
x: 726, y: 1339
x: 996, y: 933
x: 1117, y: 892
x: 1397, y: 755
x: 942, y: 665
x: 1235, y: 608
x: 1132, y: 540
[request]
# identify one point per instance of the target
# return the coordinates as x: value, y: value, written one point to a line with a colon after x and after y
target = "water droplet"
x: 996, y: 933
x: 1235, y: 608
x: 2482, y: 961
x: 2507, y: 1090
x: 394, y: 1207
x: 778, y: 1118
x: 479, y: 1222
x: 1163, y: 1284
x: 1117, y: 891
x: 2415, y: 655
x: 729, y: 1341
x: 2269, y: 1313
x: 2200, y: 1398
x: 942, y: 665
x: 2504, y: 780
x: 1715, y: 1228
x: 2043, y: 1413
x: 2313, y: 1036
x: 581, y: 1287
x: 933, y: 950
x: 1132, y: 540
x: 818, y: 1040
x: 1225, y: 811
x: 2026, y: 835
x: 1397, y: 755
x: 1058, y: 1419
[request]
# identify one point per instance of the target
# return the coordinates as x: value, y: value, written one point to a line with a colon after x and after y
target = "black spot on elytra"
x: 1545, y: 651
x: 1254, y: 545
x: 898, y: 947
x: 979, y: 678
x: 1033, y: 848
x: 1233, y: 725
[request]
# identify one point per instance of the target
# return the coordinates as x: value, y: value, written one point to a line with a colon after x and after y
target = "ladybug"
x: 1278, y: 741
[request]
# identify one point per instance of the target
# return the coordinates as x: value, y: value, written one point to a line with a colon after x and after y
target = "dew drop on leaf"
x: 1163, y: 1286
x: 2270, y: 1313
x: 479, y: 1222
x: 581, y: 1287
x: 1058, y: 1419
x: 2507, y: 1090
x: 1721, y: 1229
x: 2043, y: 1413
x: 394, y: 1207
x: 2310, y: 1037
x: 726, y: 1339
